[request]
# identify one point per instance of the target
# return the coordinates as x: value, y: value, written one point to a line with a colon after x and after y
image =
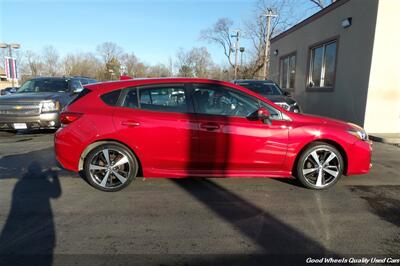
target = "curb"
x: 384, y: 140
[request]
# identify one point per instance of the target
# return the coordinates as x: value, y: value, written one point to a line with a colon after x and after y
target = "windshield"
x: 44, y: 85
x: 262, y: 88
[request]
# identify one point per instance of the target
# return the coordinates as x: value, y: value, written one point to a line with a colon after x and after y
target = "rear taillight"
x: 69, y: 117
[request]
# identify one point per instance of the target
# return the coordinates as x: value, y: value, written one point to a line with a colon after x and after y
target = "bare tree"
x: 184, y: 63
x: 82, y: 64
x: 159, y: 70
x: 50, y: 61
x: 33, y: 65
x: 130, y: 62
x: 201, y: 61
x: 220, y: 33
x: 194, y: 63
x: 255, y: 30
x: 141, y: 70
x: 111, y: 54
x: 322, y: 3
x: 109, y: 51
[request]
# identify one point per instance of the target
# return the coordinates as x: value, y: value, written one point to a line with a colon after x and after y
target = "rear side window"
x: 80, y: 95
x: 163, y: 99
x: 111, y: 98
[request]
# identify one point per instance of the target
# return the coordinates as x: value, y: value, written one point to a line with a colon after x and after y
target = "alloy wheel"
x: 110, y: 168
x: 321, y: 167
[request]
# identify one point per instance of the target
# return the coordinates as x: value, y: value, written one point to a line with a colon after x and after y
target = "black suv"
x: 38, y: 102
x: 272, y: 92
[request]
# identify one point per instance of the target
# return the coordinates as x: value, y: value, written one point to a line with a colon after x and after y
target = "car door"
x: 156, y: 121
x: 231, y: 141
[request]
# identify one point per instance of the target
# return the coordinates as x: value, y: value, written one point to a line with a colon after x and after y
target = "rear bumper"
x: 359, y: 158
x: 42, y: 121
x: 64, y: 154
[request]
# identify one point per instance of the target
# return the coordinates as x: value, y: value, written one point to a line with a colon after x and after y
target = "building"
x: 4, y: 81
x: 343, y: 62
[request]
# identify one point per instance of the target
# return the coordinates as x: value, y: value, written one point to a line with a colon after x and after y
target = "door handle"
x: 130, y: 123
x: 210, y: 126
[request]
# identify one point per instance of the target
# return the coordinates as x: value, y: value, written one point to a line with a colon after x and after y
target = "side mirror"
x: 264, y: 115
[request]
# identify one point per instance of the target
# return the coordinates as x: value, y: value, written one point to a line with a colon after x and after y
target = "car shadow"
x: 14, y: 166
x: 274, y: 236
x: 290, y: 181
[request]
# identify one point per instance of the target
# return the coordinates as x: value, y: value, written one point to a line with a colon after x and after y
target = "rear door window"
x: 218, y: 100
x: 164, y: 98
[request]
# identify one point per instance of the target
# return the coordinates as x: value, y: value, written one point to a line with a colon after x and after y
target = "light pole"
x: 237, y: 36
x: 11, y: 46
x: 269, y: 14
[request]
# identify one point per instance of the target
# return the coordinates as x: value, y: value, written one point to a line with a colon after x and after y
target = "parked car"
x: 8, y: 90
x: 113, y: 131
x: 38, y: 102
x: 271, y: 91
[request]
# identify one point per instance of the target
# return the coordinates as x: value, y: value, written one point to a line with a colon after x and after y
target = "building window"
x: 288, y: 71
x: 322, y: 65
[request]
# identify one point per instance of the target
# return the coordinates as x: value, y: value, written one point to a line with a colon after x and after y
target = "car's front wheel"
x: 319, y: 166
x: 110, y: 167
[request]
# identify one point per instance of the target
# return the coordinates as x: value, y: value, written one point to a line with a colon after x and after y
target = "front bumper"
x: 42, y: 121
x: 359, y: 158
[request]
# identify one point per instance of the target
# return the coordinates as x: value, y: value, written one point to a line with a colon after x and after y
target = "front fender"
x: 301, y: 136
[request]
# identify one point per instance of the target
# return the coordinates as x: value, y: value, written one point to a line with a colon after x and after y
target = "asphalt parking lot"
x: 49, y: 211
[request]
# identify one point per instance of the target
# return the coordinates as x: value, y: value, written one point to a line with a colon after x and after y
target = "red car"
x: 179, y: 127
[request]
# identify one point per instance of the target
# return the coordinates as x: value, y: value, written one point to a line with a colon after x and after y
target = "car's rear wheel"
x: 110, y: 167
x: 320, y: 166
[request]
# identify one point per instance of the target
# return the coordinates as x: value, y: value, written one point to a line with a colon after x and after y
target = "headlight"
x: 358, y: 132
x: 49, y: 106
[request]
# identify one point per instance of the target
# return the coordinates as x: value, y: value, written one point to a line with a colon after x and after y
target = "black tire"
x: 306, y: 159
x: 93, y: 179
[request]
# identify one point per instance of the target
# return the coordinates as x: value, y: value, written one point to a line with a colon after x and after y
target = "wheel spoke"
x: 106, y: 156
x: 319, y: 178
x: 121, y: 161
x: 315, y: 157
x: 330, y: 158
x: 331, y: 172
x: 331, y: 167
x: 105, y: 178
x: 310, y: 170
x: 120, y: 177
x: 97, y: 167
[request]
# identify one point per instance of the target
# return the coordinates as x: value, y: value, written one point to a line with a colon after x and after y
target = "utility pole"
x: 237, y: 36
x: 269, y: 14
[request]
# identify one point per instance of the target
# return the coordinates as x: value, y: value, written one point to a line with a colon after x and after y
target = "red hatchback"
x: 115, y: 131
